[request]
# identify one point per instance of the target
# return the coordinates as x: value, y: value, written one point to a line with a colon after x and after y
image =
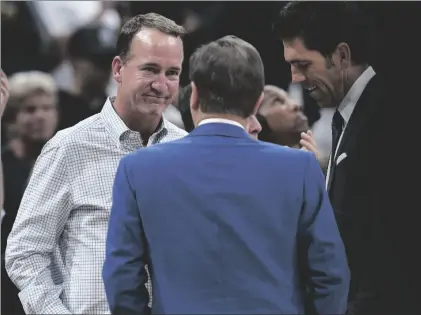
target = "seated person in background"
x: 31, y: 117
x: 173, y: 115
x: 183, y: 105
x: 91, y: 50
x: 281, y: 118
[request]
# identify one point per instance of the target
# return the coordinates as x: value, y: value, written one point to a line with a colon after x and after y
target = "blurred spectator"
x: 183, y: 105
x: 64, y: 18
x: 281, y: 118
x: 322, y: 134
x: 32, y: 117
x: 91, y: 50
x: 22, y: 48
x: 4, y: 98
x: 58, y: 20
x: 173, y: 115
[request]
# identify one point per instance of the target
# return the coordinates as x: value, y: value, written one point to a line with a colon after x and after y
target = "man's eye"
x: 150, y: 69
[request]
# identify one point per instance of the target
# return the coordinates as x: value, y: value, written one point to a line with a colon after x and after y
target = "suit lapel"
x: 363, y: 111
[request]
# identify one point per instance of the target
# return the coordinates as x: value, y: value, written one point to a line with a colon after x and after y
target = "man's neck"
x: 144, y: 124
x: 204, y: 116
x: 26, y: 150
x: 352, y: 75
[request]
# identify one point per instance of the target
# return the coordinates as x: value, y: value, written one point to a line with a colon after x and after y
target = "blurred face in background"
x: 37, y: 117
x: 149, y: 77
x: 283, y: 118
x: 94, y: 73
x: 253, y: 127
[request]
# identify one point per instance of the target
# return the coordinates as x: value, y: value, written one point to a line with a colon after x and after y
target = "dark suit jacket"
x: 370, y: 212
x: 228, y: 225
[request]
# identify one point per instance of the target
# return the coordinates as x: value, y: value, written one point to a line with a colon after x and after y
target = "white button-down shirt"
x: 56, y: 250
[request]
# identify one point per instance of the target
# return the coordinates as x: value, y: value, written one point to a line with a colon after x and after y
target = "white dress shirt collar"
x: 220, y: 121
x: 346, y: 107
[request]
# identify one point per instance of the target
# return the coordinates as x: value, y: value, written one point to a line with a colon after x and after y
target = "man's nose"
x: 160, y: 84
x: 39, y: 114
x: 296, y: 76
x: 295, y: 106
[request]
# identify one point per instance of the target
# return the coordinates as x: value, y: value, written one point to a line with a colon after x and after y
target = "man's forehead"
x: 155, y: 47
x: 295, y: 50
x: 154, y: 37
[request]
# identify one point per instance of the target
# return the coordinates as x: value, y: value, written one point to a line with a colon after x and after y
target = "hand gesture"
x: 308, y: 144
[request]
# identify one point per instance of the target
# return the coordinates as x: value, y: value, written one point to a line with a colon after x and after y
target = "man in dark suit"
x: 220, y: 235
x: 328, y: 47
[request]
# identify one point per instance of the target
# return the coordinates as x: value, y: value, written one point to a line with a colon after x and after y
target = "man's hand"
x: 308, y: 144
x: 4, y: 88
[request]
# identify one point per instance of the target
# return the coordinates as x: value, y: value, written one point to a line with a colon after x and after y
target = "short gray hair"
x: 23, y: 84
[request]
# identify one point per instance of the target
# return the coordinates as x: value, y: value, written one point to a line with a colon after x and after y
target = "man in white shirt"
x: 56, y: 249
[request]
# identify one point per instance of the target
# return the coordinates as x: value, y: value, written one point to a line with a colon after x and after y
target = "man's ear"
x: 258, y: 103
x: 194, y: 104
x: 343, y: 55
x: 117, y: 68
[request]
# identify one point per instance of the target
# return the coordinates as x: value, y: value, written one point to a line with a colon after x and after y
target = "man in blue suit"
x: 219, y: 234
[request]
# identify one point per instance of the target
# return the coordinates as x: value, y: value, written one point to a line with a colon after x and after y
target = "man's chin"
x: 153, y: 109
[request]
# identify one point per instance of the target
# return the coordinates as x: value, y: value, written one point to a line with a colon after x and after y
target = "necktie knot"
x: 337, y: 121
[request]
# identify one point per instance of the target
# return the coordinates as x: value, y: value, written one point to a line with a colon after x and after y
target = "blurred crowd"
x: 57, y: 57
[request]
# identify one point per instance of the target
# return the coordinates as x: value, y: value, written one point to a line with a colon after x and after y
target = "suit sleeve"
x: 327, y: 271
x: 124, y: 271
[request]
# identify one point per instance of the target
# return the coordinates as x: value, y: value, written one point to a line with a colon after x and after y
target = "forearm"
x: 40, y: 295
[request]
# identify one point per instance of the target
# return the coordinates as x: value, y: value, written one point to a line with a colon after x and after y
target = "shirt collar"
x: 119, y: 130
x: 346, y: 107
x: 220, y: 121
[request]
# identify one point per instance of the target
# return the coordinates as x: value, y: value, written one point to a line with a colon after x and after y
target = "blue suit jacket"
x: 227, y: 225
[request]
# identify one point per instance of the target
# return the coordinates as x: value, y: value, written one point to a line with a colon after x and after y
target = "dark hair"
x: 149, y: 20
x: 183, y: 104
x: 323, y: 25
x: 229, y: 76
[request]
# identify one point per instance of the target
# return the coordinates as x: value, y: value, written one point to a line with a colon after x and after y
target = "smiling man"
x: 328, y: 47
x: 56, y: 249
